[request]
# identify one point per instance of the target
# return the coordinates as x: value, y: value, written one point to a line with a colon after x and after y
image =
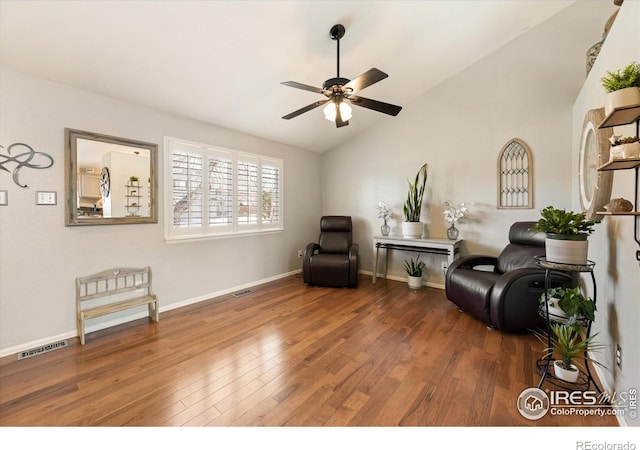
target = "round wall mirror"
x: 594, y: 185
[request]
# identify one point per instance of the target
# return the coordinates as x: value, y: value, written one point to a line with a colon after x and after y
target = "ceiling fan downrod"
x: 336, y: 33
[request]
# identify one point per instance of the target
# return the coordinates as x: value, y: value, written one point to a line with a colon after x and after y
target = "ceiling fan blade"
x: 364, y: 80
x: 376, y: 105
x: 306, y: 87
x: 305, y: 109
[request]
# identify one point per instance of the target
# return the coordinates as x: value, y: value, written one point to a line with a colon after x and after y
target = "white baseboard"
x: 137, y: 315
x: 608, y: 389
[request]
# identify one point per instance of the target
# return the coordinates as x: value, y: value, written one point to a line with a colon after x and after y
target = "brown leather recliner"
x: 507, y: 296
x: 333, y: 260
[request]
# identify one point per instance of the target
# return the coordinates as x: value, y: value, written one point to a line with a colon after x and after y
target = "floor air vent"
x: 43, y: 349
x: 241, y: 293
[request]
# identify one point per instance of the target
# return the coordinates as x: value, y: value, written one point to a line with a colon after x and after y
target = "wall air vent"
x: 43, y: 349
x: 242, y: 293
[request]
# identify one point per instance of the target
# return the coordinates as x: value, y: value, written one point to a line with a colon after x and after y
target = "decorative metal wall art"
x: 28, y: 158
x: 515, y: 176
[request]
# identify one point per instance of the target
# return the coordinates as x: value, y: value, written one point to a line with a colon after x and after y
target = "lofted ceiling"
x: 222, y: 62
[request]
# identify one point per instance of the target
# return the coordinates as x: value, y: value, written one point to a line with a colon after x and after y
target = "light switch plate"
x: 46, y: 198
x: 4, y: 198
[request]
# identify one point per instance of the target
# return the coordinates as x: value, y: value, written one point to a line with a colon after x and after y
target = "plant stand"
x: 544, y: 364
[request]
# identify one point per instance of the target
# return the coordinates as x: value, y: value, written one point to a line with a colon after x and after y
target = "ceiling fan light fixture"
x: 331, y: 108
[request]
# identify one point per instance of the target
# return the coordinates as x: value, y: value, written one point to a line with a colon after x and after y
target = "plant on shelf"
x: 568, y: 344
x: 624, y: 147
x: 562, y: 222
x: 571, y: 305
x: 412, y: 227
x: 622, y: 78
x: 134, y: 180
x: 415, y: 269
x: 617, y: 140
x: 622, y: 87
x: 567, y: 234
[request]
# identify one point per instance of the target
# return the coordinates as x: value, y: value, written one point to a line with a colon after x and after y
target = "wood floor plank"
x: 286, y: 355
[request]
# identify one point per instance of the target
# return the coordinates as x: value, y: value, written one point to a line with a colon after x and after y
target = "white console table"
x: 447, y: 247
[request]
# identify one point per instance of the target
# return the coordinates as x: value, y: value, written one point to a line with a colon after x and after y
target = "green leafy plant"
x: 626, y: 140
x: 623, y: 78
x: 560, y: 221
x: 133, y: 178
x: 414, y: 267
x: 567, y: 343
x: 413, y: 204
x: 572, y: 302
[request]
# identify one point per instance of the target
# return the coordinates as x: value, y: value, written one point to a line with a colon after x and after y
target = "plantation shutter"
x: 247, y: 203
x: 270, y: 183
x: 220, y: 179
x: 186, y: 189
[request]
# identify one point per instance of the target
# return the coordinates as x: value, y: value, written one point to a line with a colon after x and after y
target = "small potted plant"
x: 414, y: 268
x: 133, y: 180
x: 568, y: 344
x: 567, y: 234
x: 568, y: 305
x: 624, y: 147
x: 622, y: 87
x: 412, y: 227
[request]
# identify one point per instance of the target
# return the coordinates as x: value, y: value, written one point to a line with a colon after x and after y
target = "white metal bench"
x: 111, y: 291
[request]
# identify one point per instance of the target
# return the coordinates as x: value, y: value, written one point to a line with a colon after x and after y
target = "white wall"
x: 524, y: 90
x: 612, y: 246
x: 40, y: 257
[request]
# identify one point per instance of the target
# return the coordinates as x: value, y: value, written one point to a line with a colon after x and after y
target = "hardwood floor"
x: 286, y: 355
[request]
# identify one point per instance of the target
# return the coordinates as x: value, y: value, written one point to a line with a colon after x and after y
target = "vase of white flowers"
x: 384, y: 213
x: 452, y: 214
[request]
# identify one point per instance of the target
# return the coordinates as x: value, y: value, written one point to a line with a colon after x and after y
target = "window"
x: 515, y: 176
x: 215, y: 192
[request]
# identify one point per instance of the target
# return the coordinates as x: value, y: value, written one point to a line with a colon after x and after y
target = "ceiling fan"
x: 341, y: 91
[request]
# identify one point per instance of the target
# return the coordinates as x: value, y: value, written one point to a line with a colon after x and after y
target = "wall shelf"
x: 621, y: 116
x: 618, y: 164
x: 624, y: 116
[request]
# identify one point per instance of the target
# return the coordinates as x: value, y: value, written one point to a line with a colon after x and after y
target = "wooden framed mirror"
x: 109, y: 180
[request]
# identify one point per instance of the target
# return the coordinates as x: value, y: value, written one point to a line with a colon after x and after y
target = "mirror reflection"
x: 110, y: 180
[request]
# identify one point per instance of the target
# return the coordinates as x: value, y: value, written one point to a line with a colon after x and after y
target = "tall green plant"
x: 413, y: 204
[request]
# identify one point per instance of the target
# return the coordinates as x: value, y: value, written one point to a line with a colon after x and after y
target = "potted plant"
x: 133, y: 180
x: 414, y: 268
x: 622, y: 86
x: 622, y: 148
x: 568, y: 305
x: 412, y: 227
x: 568, y: 344
x: 567, y: 234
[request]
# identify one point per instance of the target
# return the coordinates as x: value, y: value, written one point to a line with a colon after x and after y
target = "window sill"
x: 200, y: 237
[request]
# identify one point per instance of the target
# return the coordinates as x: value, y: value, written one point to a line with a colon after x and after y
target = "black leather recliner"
x: 507, y: 296
x: 333, y: 260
